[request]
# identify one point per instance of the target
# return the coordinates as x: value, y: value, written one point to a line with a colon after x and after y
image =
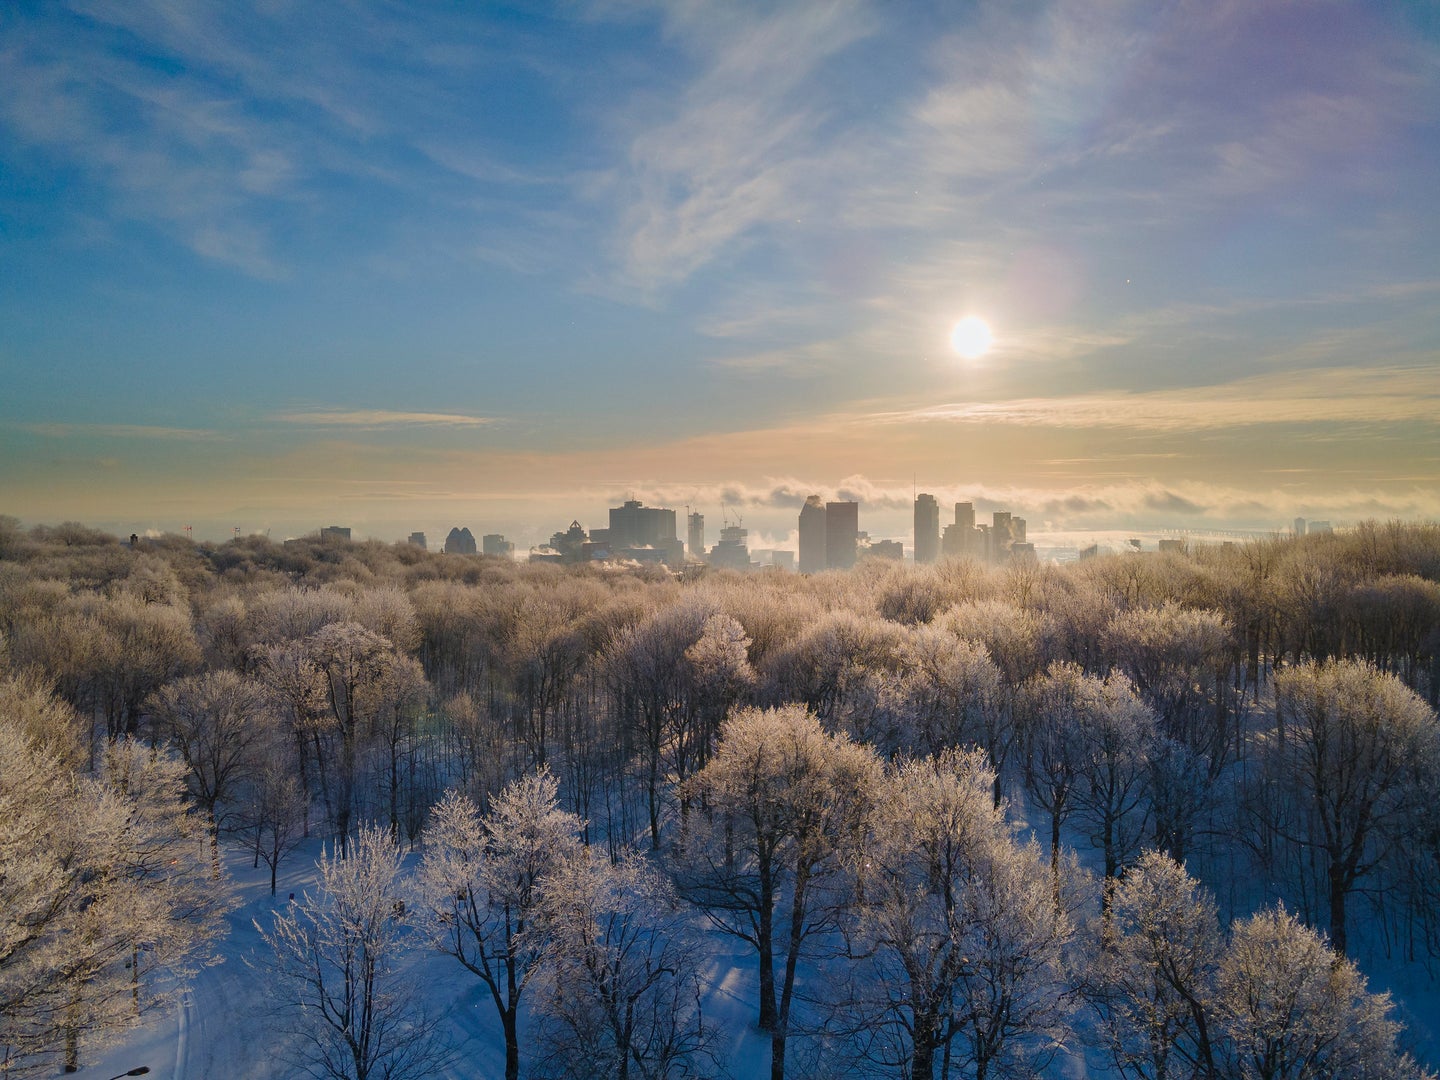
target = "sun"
x: 971, y: 337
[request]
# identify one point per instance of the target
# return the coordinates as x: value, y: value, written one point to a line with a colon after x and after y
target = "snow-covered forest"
x: 1145, y: 816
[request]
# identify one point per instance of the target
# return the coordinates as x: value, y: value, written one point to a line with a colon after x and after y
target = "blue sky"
x: 409, y: 266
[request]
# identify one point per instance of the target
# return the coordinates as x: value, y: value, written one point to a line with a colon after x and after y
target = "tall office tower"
x: 812, y: 536
x: 459, y: 542
x: 1017, y: 531
x: 965, y: 515
x: 842, y: 534
x: 1299, y: 526
x: 927, y: 528
x: 695, y: 538
x: 418, y: 539
x: 637, y: 525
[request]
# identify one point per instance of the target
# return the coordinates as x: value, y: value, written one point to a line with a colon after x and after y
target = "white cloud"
x: 738, y: 149
x: 118, y: 431
x: 380, y: 418
x: 1324, y: 396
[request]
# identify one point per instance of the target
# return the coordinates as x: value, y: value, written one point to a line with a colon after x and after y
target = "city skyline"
x: 1134, y: 268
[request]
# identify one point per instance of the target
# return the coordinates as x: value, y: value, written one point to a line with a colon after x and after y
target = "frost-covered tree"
x: 959, y: 938
x: 1116, y: 739
x: 364, y: 679
x: 949, y: 695
x: 834, y: 664
x: 619, y: 994
x: 1350, y: 754
x: 1049, y: 761
x: 1152, y: 981
x: 1294, y: 1009
x: 480, y: 883
x: 782, y: 804
x: 295, y: 695
x: 1177, y: 659
x: 217, y: 724
x: 334, y: 960
x: 276, y: 811
x: 106, y: 902
x: 545, y: 650
x: 646, y: 668
x: 718, y: 669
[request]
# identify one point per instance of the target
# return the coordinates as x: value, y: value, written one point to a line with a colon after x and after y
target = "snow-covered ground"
x: 224, y: 1028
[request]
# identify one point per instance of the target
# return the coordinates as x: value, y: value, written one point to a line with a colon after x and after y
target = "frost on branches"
x: 480, y: 888
x: 1274, y: 1002
x: 335, y: 959
x: 106, y: 898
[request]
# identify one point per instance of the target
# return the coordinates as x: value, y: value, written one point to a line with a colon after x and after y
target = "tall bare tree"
x: 783, y: 803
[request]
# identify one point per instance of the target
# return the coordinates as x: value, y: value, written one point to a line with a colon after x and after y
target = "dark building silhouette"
x: 571, y: 546
x: 927, y: 528
x: 418, y: 539
x: 459, y: 542
x: 885, y: 549
x: 962, y: 538
x: 695, y: 535
x: 634, y: 528
x: 495, y: 544
x: 812, y: 536
x: 842, y: 534
x: 335, y: 532
x: 731, y: 551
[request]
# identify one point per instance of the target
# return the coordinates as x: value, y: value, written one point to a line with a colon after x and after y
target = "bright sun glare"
x: 971, y: 337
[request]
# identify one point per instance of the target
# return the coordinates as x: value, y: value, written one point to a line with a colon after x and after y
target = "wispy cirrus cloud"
x: 119, y: 431
x: 1330, y: 396
x: 222, y: 127
x: 739, y: 148
x: 380, y: 418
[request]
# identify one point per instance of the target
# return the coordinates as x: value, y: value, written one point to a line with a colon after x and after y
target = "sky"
x: 274, y: 265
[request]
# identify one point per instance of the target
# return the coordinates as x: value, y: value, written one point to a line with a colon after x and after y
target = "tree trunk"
x: 922, y: 1062
x: 508, y: 1020
x: 1339, y: 888
x: 777, y: 1055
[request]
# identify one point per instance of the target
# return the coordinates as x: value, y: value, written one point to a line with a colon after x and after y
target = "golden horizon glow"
x: 972, y: 337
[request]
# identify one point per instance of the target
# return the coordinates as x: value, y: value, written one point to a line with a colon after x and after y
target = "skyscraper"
x: 695, y: 535
x: 961, y: 538
x: 634, y: 526
x: 812, y: 536
x: 459, y: 542
x: 927, y: 528
x: 842, y: 534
